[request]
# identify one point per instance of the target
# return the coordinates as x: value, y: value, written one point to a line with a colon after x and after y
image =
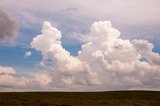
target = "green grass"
x: 113, y: 98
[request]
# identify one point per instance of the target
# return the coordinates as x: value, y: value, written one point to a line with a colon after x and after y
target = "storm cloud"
x: 8, y: 26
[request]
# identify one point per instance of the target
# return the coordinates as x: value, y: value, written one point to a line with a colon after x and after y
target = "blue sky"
x: 15, y: 56
x: 22, y: 20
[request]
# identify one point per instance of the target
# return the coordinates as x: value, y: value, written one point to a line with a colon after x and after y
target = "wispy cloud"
x: 134, y: 18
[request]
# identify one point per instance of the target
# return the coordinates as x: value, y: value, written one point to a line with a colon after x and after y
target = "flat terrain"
x: 113, y: 98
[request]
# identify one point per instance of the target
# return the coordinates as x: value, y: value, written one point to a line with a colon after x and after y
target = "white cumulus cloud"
x: 27, y: 54
x: 9, y: 79
x: 73, y: 70
x: 106, y: 61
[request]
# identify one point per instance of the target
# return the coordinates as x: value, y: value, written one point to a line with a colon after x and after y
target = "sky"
x: 79, y: 45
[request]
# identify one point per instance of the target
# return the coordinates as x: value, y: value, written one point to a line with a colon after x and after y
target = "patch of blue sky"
x: 72, y: 48
x: 143, y: 59
x: 26, y: 35
x: 156, y: 47
x: 14, y: 57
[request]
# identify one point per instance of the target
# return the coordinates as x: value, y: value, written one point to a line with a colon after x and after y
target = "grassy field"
x: 114, y: 98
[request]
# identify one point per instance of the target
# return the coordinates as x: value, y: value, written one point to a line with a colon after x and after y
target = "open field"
x: 113, y: 98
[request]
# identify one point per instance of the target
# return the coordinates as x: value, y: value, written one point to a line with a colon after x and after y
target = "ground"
x: 112, y: 98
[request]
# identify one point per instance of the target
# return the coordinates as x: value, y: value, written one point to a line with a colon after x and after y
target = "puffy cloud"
x: 106, y: 61
x: 7, y: 70
x: 8, y: 27
x: 145, y: 49
x: 73, y: 70
x: 9, y: 79
x: 12, y: 81
x: 42, y: 78
x: 27, y: 54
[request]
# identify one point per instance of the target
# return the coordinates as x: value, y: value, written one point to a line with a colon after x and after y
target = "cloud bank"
x: 105, y: 62
x: 8, y: 27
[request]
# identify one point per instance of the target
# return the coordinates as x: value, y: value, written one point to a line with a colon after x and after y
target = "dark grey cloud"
x: 8, y: 26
